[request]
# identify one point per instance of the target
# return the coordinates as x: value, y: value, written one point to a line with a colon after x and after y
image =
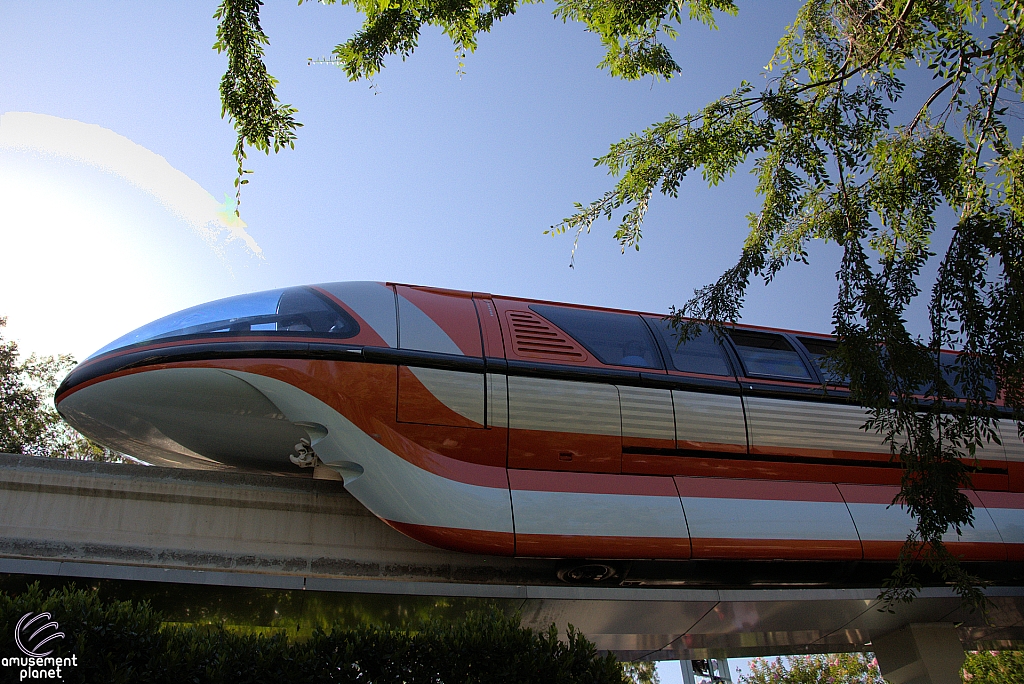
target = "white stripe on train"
x: 397, y: 490
x: 389, y: 486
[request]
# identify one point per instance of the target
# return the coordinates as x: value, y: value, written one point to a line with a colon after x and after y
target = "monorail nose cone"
x: 198, y: 417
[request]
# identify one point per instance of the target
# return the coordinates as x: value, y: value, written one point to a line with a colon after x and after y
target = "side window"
x: 615, y: 339
x: 949, y: 364
x: 701, y: 354
x: 768, y: 354
x: 817, y: 349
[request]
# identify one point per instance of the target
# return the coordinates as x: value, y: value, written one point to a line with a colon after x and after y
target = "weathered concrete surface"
x: 210, y: 520
x: 82, y: 519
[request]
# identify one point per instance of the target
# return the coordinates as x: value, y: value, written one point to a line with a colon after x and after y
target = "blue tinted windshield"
x: 294, y: 310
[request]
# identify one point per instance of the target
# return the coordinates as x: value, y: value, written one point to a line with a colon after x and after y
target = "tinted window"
x: 701, y: 354
x: 615, y: 339
x: 295, y: 310
x: 768, y: 354
x: 818, y: 349
x: 950, y: 367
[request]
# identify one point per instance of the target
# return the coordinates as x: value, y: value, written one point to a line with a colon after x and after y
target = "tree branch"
x: 842, y: 75
x: 938, y: 91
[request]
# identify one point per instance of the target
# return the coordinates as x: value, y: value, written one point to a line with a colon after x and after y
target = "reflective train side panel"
x: 504, y: 426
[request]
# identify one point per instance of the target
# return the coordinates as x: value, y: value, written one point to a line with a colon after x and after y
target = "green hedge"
x: 125, y: 641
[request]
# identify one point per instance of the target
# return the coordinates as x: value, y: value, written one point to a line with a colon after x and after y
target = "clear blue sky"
x: 428, y: 179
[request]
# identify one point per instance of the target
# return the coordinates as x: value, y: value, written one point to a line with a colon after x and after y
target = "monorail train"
x: 498, y: 425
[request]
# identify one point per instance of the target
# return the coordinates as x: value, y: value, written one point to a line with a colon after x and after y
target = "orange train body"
x: 506, y: 426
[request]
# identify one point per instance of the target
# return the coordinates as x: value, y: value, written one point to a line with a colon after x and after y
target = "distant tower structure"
x: 712, y: 670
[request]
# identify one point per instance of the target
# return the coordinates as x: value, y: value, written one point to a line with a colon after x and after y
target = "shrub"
x: 126, y: 641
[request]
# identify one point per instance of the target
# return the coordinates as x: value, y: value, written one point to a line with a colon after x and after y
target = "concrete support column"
x: 920, y: 654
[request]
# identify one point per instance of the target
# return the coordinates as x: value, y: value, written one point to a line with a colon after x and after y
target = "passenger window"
x: 700, y: 354
x: 948, y: 362
x: 818, y: 349
x: 615, y: 339
x: 768, y: 354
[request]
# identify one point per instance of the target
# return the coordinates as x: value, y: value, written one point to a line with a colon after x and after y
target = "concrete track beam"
x: 162, y: 525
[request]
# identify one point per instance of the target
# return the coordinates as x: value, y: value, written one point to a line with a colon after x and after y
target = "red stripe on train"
x: 578, y: 546
x: 442, y: 466
x: 766, y: 490
x: 456, y: 539
x: 776, y: 549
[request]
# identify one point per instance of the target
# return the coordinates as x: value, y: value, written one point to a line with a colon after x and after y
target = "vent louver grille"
x: 533, y: 336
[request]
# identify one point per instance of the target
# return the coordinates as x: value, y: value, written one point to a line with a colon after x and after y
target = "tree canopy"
x: 834, y: 668
x: 984, y: 667
x: 29, y: 424
x: 842, y: 154
x: 128, y: 641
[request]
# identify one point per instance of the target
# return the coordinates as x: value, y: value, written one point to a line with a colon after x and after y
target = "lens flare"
x: 215, y: 222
